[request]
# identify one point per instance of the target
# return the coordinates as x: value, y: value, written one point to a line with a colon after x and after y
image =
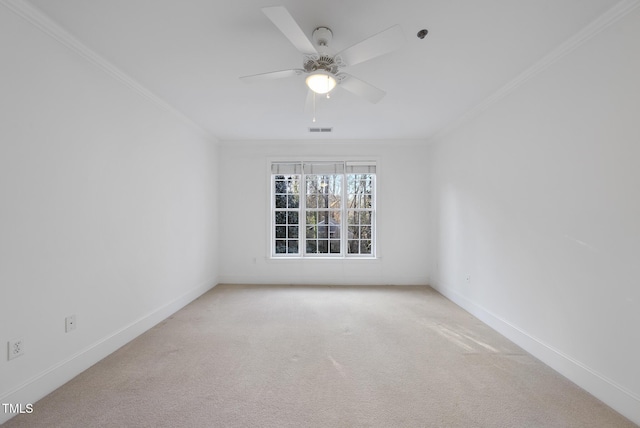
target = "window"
x: 323, y: 209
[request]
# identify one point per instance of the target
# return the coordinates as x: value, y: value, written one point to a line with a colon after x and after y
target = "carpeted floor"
x: 302, y: 356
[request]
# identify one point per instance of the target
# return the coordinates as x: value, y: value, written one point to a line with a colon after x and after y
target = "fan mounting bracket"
x: 322, y: 36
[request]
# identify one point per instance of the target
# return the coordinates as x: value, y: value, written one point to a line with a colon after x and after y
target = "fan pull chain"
x: 314, y: 107
x: 328, y: 86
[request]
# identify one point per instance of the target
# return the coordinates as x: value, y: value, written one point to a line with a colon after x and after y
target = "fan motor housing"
x: 322, y: 62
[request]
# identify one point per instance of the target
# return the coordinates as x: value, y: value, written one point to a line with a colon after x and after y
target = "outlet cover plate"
x: 15, y: 348
x: 70, y: 323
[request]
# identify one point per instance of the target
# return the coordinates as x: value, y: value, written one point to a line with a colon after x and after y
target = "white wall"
x: 244, y: 218
x: 108, y: 211
x: 537, y: 199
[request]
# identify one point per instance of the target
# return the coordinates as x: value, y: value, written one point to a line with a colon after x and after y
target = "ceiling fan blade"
x: 384, y: 42
x: 362, y: 88
x: 282, y: 19
x: 272, y: 75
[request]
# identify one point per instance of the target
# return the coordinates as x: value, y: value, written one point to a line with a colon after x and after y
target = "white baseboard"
x: 300, y: 280
x: 615, y: 396
x: 44, y: 383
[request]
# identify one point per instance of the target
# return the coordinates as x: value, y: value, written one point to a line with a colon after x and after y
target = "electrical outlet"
x: 69, y: 323
x: 15, y: 348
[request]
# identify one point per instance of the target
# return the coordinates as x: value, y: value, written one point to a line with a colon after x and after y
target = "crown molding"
x: 40, y: 20
x: 611, y: 16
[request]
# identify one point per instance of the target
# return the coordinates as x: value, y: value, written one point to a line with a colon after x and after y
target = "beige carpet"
x: 300, y: 356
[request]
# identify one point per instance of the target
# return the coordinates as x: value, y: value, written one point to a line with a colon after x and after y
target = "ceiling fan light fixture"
x: 321, y: 82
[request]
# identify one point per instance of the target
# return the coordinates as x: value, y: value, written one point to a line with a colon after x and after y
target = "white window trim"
x: 375, y: 256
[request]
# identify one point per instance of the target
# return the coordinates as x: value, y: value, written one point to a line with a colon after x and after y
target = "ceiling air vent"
x: 320, y: 129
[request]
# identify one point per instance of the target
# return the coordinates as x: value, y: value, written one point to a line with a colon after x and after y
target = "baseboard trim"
x: 615, y: 396
x: 342, y: 281
x: 47, y: 381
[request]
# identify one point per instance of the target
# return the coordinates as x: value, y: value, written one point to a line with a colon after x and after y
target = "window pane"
x: 292, y: 247
x: 293, y: 201
x: 281, y: 217
x: 365, y: 217
x: 311, y: 185
x: 334, y: 231
x: 353, y: 246
x: 312, y: 246
x: 281, y: 201
x: 351, y: 184
x: 293, y: 186
x: 365, y: 247
x: 323, y: 246
x: 352, y: 217
x: 365, y: 232
x: 281, y: 186
x: 293, y: 231
x: 281, y: 246
x: 281, y: 232
x: 292, y: 217
x: 334, y: 246
x: 311, y: 232
x: 354, y: 232
x: 312, y: 217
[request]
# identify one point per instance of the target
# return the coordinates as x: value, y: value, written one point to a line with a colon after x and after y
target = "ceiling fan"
x: 324, y: 67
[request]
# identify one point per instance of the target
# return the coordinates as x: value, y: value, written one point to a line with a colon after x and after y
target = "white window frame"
x: 302, y: 169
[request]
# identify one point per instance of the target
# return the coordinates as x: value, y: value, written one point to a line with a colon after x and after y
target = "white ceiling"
x: 190, y: 53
